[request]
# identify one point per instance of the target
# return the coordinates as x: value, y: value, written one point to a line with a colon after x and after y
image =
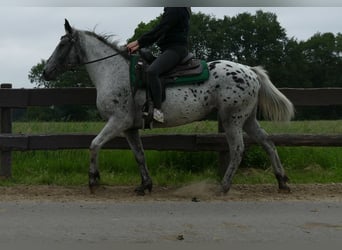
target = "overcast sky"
x: 29, y: 34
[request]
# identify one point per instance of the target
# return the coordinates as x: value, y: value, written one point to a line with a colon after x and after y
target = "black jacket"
x: 172, y: 30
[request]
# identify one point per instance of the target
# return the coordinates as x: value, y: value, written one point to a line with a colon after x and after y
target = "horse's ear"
x: 67, y: 27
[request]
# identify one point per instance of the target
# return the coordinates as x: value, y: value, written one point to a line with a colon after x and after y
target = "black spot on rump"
x: 238, y: 86
x: 239, y: 80
x: 212, y: 65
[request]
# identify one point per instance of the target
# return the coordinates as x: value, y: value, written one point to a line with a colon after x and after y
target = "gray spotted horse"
x: 233, y: 90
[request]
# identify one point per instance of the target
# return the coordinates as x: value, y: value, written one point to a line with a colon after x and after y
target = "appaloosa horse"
x: 233, y: 90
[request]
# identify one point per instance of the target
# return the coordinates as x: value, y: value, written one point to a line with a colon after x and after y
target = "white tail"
x: 273, y: 104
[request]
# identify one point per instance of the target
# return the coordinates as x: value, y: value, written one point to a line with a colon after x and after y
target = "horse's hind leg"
x: 135, y: 143
x: 254, y: 130
x: 234, y: 137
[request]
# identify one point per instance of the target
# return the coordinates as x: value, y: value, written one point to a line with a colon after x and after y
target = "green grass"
x: 118, y: 167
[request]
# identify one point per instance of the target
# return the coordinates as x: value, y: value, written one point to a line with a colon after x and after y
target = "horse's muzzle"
x: 48, y: 76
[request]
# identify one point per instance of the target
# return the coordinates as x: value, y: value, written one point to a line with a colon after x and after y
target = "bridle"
x: 80, y: 63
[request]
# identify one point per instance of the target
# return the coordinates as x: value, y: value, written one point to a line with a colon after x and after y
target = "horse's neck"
x: 104, y: 74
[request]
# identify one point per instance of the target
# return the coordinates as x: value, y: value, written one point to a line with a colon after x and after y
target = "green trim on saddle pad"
x: 136, y: 75
x: 135, y: 82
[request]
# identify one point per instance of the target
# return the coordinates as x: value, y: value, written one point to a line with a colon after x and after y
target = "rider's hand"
x: 132, y: 46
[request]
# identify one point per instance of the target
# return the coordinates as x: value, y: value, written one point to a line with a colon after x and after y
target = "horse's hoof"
x: 140, y: 190
x: 284, y: 190
x: 282, y: 184
x: 225, y: 189
x: 94, y: 181
x: 92, y: 189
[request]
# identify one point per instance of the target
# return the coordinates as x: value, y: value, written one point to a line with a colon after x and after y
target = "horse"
x: 233, y: 90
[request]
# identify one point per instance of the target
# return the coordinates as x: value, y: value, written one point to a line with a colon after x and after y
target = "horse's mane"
x: 113, y: 44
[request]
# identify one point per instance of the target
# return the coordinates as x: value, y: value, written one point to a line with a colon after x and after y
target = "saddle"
x: 188, y: 71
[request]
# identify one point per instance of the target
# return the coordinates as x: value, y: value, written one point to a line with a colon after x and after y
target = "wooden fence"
x: 23, y: 98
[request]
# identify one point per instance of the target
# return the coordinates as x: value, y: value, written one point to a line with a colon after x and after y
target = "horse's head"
x: 65, y: 55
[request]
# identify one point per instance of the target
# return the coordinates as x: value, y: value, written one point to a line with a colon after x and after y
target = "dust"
x: 204, y: 191
x: 201, y: 190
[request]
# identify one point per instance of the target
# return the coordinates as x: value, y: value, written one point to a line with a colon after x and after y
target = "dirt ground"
x: 196, y: 192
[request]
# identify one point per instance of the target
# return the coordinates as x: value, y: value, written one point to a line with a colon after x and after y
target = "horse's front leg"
x: 135, y: 143
x: 110, y: 130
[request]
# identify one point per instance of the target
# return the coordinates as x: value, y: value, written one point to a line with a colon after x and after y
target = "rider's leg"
x: 164, y: 63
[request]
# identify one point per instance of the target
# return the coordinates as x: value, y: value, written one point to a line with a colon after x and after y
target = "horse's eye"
x: 63, y: 42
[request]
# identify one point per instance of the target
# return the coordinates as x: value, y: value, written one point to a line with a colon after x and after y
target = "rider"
x: 171, y: 36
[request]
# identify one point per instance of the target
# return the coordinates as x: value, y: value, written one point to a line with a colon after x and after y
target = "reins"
x: 102, y: 59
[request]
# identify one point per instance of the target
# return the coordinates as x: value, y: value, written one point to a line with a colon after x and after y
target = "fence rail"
x: 23, y: 98
x: 179, y: 142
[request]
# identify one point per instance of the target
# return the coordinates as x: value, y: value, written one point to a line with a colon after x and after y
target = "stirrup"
x: 149, y: 124
x: 158, y: 115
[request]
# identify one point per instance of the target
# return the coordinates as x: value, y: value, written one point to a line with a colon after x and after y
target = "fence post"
x: 5, y: 127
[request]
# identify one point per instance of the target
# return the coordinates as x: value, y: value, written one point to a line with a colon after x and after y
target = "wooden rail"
x: 161, y: 142
x: 22, y: 98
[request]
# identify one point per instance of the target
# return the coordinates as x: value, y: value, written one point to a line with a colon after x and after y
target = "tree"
x: 294, y: 63
x: 339, y: 58
x: 255, y: 39
x: 202, y: 36
x: 143, y: 28
x: 75, y: 78
x: 323, y: 55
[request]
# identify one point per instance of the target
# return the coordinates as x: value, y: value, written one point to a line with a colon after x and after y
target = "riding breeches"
x: 166, y: 61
